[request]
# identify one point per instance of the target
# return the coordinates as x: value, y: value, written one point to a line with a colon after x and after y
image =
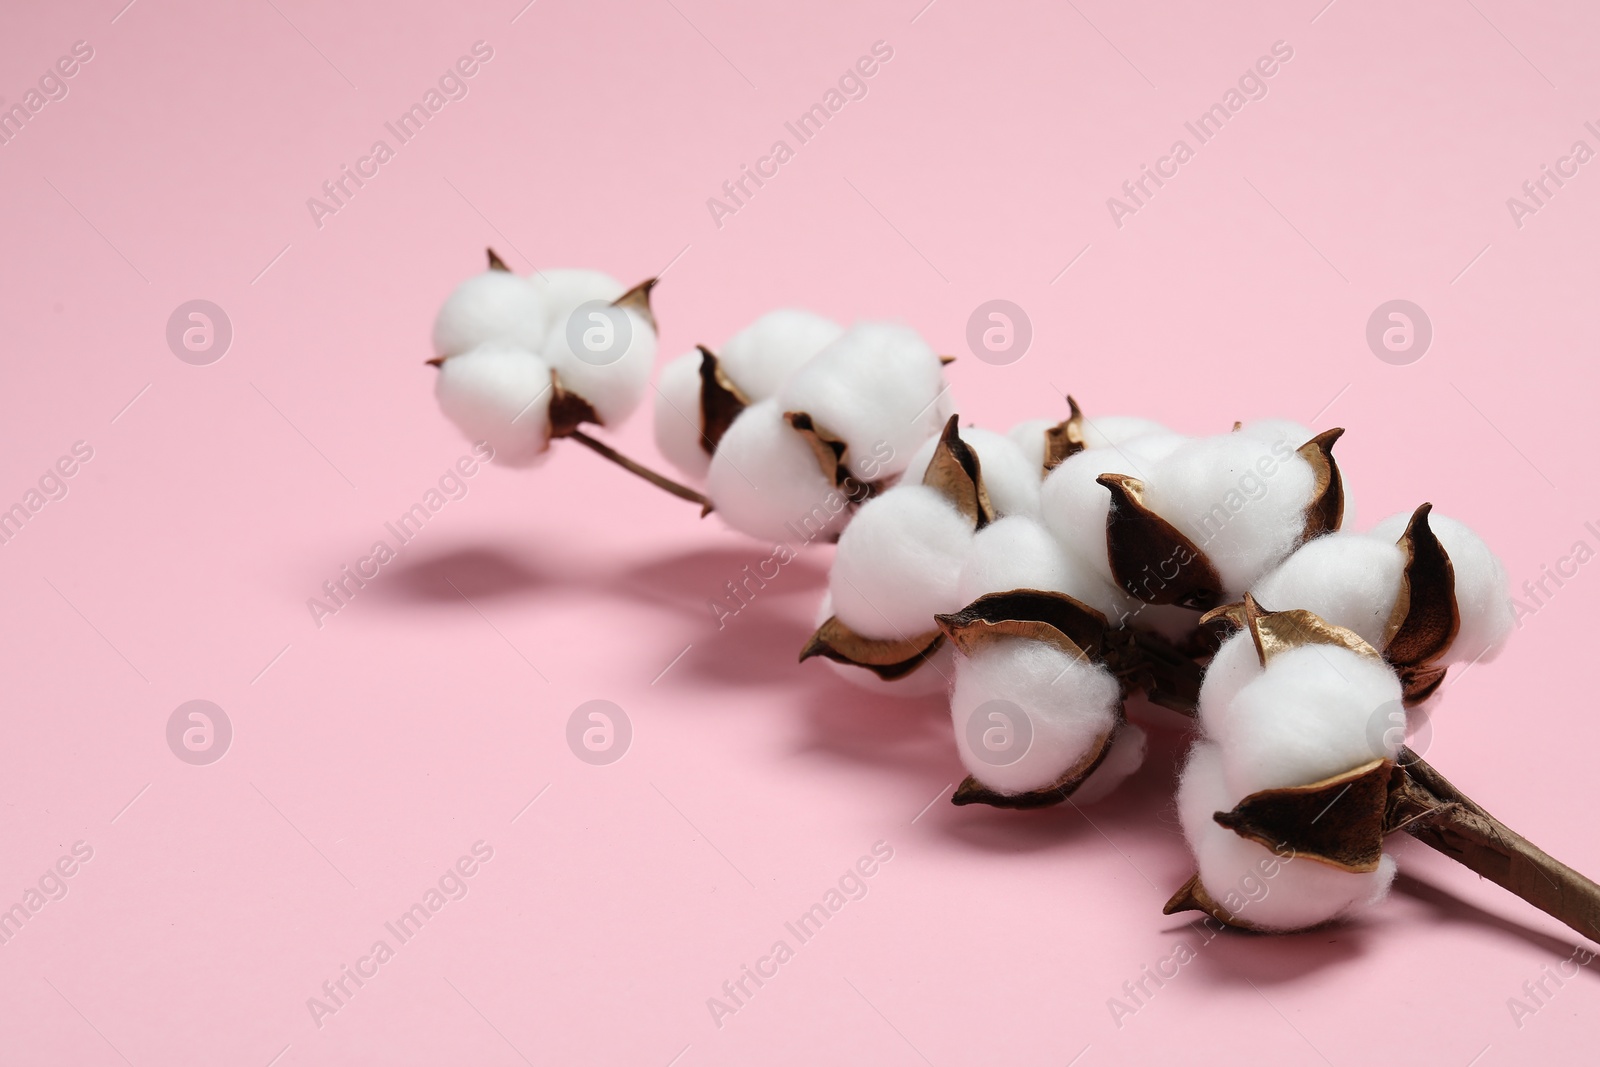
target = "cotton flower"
x: 1483, y: 600
x: 1250, y: 884
x: 879, y: 390
x: 1193, y: 522
x: 1290, y: 703
x: 522, y: 361
x: 764, y: 480
x: 899, y: 564
x: 1421, y: 588
x: 691, y: 414
x: 1075, y: 506
x: 1030, y: 716
x: 860, y: 406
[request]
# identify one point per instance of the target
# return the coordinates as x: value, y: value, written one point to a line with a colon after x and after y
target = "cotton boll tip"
x: 1010, y: 480
x: 637, y: 300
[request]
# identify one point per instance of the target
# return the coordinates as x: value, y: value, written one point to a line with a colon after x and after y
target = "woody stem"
x: 1438, y: 814
x: 660, y: 480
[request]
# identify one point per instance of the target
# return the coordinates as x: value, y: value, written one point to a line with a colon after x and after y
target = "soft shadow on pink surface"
x: 682, y: 582
x: 478, y: 572
x: 1446, y: 910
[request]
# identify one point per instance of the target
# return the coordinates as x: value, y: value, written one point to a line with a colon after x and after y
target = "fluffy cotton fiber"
x: 899, y: 563
x: 1017, y: 552
x: 614, y: 381
x: 880, y: 389
x: 677, y: 416
x: 1241, y: 500
x: 564, y: 291
x: 1482, y: 596
x: 760, y: 358
x: 500, y: 394
x: 1068, y: 702
x: 1259, y: 887
x: 757, y: 360
x: 1074, y: 505
x: 764, y: 480
x: 1349, y: 579
x: 493, y: 307
x: 1309, y: 716
x: 1126, y: 756
x: 1012, y: 482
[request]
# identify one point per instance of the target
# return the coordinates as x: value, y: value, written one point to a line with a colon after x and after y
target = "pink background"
x: 371, y: 753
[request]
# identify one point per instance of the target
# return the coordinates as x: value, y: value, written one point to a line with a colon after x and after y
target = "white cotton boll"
x: 677, y: 416
x: 1112, y: 431
x: 1063, y: 704
x: 1012, y: 482
x: 501, y: 395
x: 1483, y: 596
x: 1126, y: 756
x: 762, y: 356
x: 1315, y: 712
x: 1234, y: 666
x: 495, y: 306
x: 1018, y: 553
x: 880, y: 389
x: 1351, y: 580
x: 1241, y: 500
x: 764, y: 480
x: 1029, y: 436
x: 564, y: 291
x: 611, y: 363
x: 1259, y: 887
x: 899, y: 562
x: 932, y: 677
x: 1074, y: 505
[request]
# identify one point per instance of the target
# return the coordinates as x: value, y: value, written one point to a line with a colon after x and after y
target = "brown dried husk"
x: 721, y: 401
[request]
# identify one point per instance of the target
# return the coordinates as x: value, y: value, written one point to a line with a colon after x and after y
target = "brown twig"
x: 659, y: 480
x: 1425, y: 805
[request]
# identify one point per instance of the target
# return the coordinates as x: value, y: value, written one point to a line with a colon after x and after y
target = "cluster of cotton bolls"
x: 1138, y: 524
x: 523, y: 360
x: 795, y: 419
x: 1373, y: 621
x: 1040, y: 577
